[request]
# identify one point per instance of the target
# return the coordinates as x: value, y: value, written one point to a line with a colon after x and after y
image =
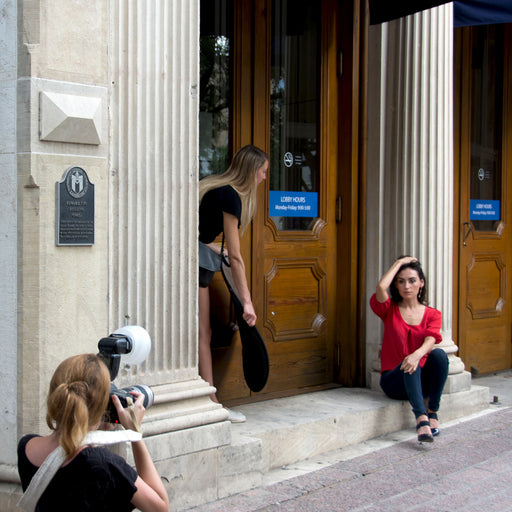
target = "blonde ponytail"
x: 78, y: 397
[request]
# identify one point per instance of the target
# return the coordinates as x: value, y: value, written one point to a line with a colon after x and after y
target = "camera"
x: 123, y: 393
x: 130, y: 344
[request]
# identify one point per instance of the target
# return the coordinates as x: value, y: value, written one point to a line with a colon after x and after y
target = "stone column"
x: 153, y: 282
x: 153, y: 202
x: 411, y: 147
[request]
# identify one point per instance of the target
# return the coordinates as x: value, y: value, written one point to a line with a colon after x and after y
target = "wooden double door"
x: 483, y: 162
x: 270, y: 76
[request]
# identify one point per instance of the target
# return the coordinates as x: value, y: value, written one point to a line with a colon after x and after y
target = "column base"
x: 182, y: 405
x: 457, y: 382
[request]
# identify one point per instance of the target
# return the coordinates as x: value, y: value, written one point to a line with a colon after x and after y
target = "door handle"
x: 469, y: 227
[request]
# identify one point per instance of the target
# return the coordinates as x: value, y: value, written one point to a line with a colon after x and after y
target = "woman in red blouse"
x: 411, y: 368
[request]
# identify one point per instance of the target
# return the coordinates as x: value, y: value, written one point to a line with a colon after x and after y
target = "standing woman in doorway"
x: 411, y: 368
x: 227, y: 204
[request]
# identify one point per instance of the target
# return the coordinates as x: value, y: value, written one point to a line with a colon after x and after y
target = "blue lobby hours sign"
x: 483, y: 209
x: 293, y: 204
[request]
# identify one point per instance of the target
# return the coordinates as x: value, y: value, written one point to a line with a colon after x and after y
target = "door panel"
x: 285, y: 100
x: 296, y: 298
x: 485, y: 193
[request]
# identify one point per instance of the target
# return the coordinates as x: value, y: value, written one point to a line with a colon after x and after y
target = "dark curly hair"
x: 422, y: 294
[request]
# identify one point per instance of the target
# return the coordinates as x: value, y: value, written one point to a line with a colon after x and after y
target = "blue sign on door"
x: 484, y: 209
x: 293, y: 204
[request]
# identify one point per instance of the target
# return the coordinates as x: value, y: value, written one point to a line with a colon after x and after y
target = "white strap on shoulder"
x: 55, y: 459
x: 105, y: 437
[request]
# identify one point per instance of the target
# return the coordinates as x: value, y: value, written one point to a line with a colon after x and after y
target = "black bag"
x: 254, y: 352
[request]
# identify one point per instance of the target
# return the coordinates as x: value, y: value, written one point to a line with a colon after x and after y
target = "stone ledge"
x: 454, y: 383
x: 240, y: 466
x: 296, y: 428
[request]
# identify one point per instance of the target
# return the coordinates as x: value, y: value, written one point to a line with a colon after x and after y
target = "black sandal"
x: 433, y: 416
x: 424, y: 438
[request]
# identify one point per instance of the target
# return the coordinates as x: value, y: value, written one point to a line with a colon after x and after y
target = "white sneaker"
x: 235, y: 416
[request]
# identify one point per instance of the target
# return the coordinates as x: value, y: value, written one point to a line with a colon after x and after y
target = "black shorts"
x: 205, y: 277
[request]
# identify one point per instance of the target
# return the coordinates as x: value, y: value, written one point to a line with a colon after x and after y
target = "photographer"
x: 91, y: 477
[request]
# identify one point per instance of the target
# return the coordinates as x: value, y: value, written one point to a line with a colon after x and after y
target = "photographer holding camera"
x: 91, y: 478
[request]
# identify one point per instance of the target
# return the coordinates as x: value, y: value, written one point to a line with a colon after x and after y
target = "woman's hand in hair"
x: 386, y: 280
x: 404, y: 260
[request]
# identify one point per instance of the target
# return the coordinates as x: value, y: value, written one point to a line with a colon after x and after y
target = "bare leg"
x: 205, y: 336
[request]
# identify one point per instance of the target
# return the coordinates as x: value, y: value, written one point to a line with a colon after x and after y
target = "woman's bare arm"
x: 232, y: 239
x: 151, y: 495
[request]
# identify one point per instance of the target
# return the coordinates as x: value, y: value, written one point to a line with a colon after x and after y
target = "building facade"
x: 132, y: 102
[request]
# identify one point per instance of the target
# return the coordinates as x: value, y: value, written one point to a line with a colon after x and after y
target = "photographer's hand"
x: 151, y: 494
x: 130, y: 419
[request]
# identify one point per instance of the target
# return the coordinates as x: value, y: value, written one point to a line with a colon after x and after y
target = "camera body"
x: 123, y: 394
x: 133, y: 344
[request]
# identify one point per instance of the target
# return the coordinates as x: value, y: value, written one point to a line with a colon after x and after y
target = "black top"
x: 95, y: 480
x: 214, y: 202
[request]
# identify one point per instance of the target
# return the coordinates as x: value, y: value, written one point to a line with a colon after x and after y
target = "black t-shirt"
x: 213, y: 204
x: 96, y: 480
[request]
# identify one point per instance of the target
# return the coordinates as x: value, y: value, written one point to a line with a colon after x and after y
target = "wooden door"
x: 484, y: 115
x: 283, y: 97
x: 294, y: 241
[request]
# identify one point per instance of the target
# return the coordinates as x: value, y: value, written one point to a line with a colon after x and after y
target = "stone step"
x: 296, y: 428
x: 211, y: 462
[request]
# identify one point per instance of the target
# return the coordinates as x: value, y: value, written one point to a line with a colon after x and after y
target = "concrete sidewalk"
x: 469, y: 467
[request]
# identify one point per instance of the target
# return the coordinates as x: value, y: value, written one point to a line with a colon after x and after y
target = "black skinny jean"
x: 424, y: 382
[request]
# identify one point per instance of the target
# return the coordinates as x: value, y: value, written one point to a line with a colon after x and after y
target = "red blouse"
x: 401, y: 339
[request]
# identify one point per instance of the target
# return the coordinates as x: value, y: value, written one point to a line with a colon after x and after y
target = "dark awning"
x: 465, y: 12
x: 481, y: 12
x: 382, y: 10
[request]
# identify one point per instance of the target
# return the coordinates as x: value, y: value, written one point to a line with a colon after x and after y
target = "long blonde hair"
x: 241, y: 175
x: 77, y: 399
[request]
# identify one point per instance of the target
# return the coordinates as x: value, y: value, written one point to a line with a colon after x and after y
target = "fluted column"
x: 153, y: 200
x: 411, y: 156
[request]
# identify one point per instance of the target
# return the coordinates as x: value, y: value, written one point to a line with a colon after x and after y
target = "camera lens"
x: 149, y: 396
x: 123, y: 393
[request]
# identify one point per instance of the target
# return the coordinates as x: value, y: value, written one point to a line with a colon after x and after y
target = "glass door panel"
x: 216, y: 62
x: 486, y: 123
x: 294, y: 113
